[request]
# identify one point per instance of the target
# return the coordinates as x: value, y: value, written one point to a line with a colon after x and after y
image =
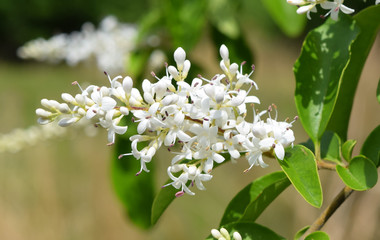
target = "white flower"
x: 206, y: 119
x: 112, y: 126
x: 223, y: 234
x: 191, y: 173
x: 279, y: 137
x: 101, y: 106
x: 109, y: 45
x: 334, y: 8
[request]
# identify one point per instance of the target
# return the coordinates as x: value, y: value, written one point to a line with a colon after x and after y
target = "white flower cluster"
x: 204, y: 118
x: 223, y: 234
x: 19, y: 138
x: 307, y: 6
x: 109, y: 45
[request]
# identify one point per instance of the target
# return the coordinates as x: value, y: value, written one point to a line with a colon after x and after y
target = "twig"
x: 325, y: 165
x: 334, y: 205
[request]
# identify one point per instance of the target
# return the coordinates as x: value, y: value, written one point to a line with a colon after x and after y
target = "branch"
x: 325, y: 165
x: 334, y: 205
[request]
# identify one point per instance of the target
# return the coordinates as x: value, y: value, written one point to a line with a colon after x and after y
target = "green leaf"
x: 318, y: 235
x: 250, y: 231
x: 371, y: 146
x: 184, y: 20
x: 347, y: 148
x: 300, y: 167
x: 135, y: 192
x: 378, y: 91
x: 222, y: 14
x: 330, y: 147
x: 250, y: 202
x: 238, y: 47
x: 369, y: 22
x: 161, y: 202
x: 280, y: 10
x: 166, y: 196
x: 301, y: 232
x: 137, y: 62
x: 360, y: 175
x: 318, y: 71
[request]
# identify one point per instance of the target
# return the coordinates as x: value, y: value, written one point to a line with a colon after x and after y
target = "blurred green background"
x: 61, y: 188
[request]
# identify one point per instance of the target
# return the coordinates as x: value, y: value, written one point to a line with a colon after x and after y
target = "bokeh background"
x: 61, y: 188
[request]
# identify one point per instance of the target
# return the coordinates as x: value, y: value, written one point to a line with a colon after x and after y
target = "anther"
x: 179, y: 194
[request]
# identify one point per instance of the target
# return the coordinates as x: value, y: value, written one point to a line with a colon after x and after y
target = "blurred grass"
x: 60, y: 189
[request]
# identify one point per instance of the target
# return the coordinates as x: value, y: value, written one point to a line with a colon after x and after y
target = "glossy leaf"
x: 347, y: 148
x: 250, y: 202
x: 300, y: 167
x: 369, y: 22
x: 250, y: 231
x: 360, y: 175
x: 330, y: 147
x: 135, y: 192
x: 318, y: 235
x: 280, y: 10
x: 301, y: 232
x: 371, y: 146
x: 325, y: 55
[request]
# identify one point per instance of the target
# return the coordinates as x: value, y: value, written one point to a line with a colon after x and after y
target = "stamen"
x: 76, y: 83
x: 179, y: 194
x: 123, y: 155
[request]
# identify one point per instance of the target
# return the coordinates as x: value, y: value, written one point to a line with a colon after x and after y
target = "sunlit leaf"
x: 347, y: 148
x: 250, y: 202
x: 371, y: 146
x: 369, y: 22
x: 318, y: 235
x: 280, y: 10
x: 300, y: 166
x: 250, y: 231
x: 318, y: 71
x: 360, y: 175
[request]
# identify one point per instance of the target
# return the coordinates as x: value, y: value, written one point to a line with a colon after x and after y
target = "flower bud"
x: 216, y: 234
x: 80, y: 99
x: 127, y: 84
x: 64, y: 108
x: 236, y: 236
x: 173, y: 71
x: 43, y: 113
x: 234, y: 68
x: 65, y: 122
x: 68, y: 98
x: 179, y: 57
x: 224, y: 53
x: 124, y: 111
